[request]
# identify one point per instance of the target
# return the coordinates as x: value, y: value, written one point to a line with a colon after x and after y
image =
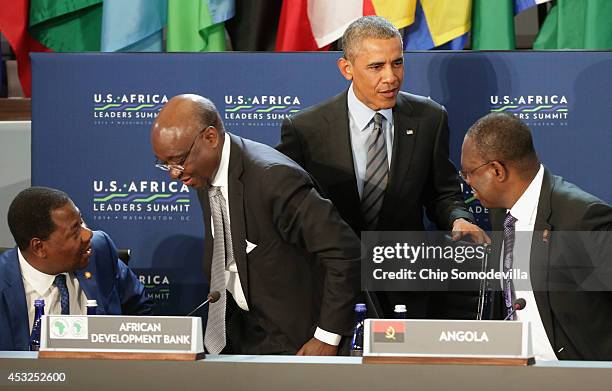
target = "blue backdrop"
x: 92, y: 115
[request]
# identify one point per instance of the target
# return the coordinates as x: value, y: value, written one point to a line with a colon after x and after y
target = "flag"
x: 439, y: 23
x: 67, y: 26
x: 522, y: 5
x: 133, y: 25
x: 315, y: 24
x: 493, y: 22
x: 221, y: 10
x: 399, y: 12
x: 388, y: 331
x: 493, y: 25
x: 577, y: 24
x: 191, y: 28
x: 255, y: 25
x: 13, y: 25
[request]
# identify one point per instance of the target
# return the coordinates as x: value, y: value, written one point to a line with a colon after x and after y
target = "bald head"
x: 175, y: 136
x: 187, y: 113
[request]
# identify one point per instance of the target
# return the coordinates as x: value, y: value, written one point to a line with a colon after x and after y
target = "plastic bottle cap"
x: 360, y: 307
x: 400, y: 308
x: 92, y: 303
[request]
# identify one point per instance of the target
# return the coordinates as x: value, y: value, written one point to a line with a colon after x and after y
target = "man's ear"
x: 346, y: 68
x: 211, y: 136
x: 500, y: 170
x: 37, y: 247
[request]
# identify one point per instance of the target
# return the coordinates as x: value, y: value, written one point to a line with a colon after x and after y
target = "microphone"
x: 518, y: 305
x: 211, y: 298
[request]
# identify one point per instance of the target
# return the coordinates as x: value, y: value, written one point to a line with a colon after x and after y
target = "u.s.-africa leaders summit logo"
x: 258, y: 110
x: 139, y: 200
x: 127, y: 108
x: 538, y: 110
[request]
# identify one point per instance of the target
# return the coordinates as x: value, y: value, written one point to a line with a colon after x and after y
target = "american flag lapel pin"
x: 546, y: 235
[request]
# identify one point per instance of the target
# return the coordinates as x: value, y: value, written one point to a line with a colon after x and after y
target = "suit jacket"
x: 563, y: 259
x: 304, y: 271
x: 421, y: 173
x: 421, y: 176
x: 115, y: 287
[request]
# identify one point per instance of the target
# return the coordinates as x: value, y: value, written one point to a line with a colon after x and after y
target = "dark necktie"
x: 509, y: 295
x: 223, y: 254
x: 60, y: 283
x: 377, y: 173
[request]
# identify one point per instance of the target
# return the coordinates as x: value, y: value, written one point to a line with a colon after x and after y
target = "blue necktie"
x: 60, y: 283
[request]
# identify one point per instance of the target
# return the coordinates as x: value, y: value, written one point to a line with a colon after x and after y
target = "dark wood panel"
x: 122, y: 355
x: 15, y: 109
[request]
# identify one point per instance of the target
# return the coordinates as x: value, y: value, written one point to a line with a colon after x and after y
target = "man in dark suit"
x: 557, y: 228
x: 379, y: 154
x: 287, y: 259
x: 59, y: 259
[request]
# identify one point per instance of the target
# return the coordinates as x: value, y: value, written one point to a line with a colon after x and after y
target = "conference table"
x: 233, y: 372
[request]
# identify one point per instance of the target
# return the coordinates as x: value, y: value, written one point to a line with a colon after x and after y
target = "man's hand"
x: 462, y: 227
x: 314, y: 347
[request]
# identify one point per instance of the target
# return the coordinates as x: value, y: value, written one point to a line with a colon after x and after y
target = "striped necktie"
x: 223, y: 253
x: 509, y: 294
x: 377, y: 174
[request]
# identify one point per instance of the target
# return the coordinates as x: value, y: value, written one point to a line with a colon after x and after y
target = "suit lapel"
x: 88, y: 280
x: 15, y: 302
x: 405, y: 133
x: 208, y: 240
x: 539, y: 259
x: 236, y: 211
x: 336, y: 144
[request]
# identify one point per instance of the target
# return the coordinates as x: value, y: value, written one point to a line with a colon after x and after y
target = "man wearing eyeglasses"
x: 285, y: 263
x: 551, y: 230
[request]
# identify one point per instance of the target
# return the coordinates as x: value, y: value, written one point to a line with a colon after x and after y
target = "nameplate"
x: 109, y: 336
x: 456, y: 341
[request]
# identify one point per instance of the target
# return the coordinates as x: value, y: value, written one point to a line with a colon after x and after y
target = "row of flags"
x: 286, y: 25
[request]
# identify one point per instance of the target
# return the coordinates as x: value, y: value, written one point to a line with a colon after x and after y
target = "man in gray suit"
x: 285, y: 263
x: 559, y: 230
x: 380, y: 154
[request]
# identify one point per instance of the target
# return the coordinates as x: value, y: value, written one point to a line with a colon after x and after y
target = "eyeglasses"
x: 466, y: 174
x: 179, y: 167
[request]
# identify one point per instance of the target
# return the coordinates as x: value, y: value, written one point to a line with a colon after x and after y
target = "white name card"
x: 155, y: 337
x: 458, y: 341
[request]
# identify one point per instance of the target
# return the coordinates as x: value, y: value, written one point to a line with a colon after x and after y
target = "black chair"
x: 472, y: 301
x: 124, y: 254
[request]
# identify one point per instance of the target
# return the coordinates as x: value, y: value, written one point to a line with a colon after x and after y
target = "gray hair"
x: 364, y: 28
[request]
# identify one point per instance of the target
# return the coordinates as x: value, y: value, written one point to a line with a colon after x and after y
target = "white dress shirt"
x: 525, y: 211
x: 361, y: 125
x: 232, y: 277
x: 39, y: 285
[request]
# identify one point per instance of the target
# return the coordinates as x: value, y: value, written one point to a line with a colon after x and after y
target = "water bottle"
x: 92, y: 305
x: 400, y: 311
x: 357, y: 341
x: 39, y: 311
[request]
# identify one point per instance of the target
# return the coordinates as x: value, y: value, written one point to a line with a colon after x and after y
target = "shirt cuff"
x: 327, y: 337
